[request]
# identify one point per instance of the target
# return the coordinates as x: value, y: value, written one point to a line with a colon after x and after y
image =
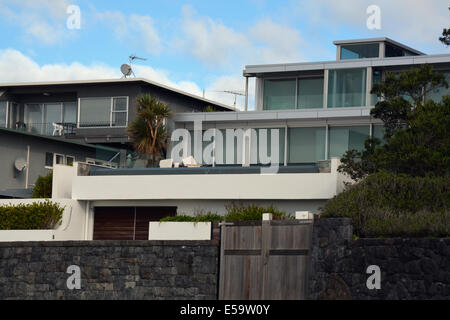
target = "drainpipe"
x: 28, y: 167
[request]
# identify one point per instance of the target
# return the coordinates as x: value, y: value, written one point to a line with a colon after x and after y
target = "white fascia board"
x: 343, y: 64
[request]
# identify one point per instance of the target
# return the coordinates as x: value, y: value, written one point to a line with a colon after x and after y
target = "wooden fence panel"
x: 265, y: 260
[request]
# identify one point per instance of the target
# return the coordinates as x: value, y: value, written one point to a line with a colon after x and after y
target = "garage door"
x: 127, y: 223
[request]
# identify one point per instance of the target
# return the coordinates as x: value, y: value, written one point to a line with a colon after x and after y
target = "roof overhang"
x: 108, y: 81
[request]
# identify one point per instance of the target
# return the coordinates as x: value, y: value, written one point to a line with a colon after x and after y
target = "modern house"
x: 307, y: 115
x: 93, y: 111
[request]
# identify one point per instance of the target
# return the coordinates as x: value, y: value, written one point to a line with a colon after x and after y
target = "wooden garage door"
x: 127, y: 223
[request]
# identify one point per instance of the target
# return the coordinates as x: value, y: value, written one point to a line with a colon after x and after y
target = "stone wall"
x: 410, y: 268
x: 110, y: 270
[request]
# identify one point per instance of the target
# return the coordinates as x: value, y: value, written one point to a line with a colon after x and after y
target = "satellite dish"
x: 126, y: 70
x: 20, y: 164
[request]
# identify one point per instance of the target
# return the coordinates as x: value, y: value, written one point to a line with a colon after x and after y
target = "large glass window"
x: 378, y: 132
x: 347, y: 88
x: 119, y: 112
x: 359, y: 51
x: 394, y: 51
x: 279, y: 94
x: 260, y: 139
x: 34, y: 117
x: 103, y: 112
x: 70, y: 112
x: 310, y: 93
x: 342, y: 139
x: 3, y: 106
x: 306, y: 145
x: 438, y: 94
x: 376, y: 78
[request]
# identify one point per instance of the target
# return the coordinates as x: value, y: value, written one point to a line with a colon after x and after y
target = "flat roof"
x: 255, y: 70
x: 36, y: 135
x: 99, y: 81
x: 381, y: 39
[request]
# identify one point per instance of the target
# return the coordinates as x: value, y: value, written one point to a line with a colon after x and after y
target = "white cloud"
x: 41, y: 20
x: 17, y: 67
x: 416, y: 23
x: 134, y: 30
x: 218, y: 45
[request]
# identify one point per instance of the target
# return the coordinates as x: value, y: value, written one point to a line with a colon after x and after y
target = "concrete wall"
x: 14, y: 145
x: 417, y: 268
x: 110, y: 270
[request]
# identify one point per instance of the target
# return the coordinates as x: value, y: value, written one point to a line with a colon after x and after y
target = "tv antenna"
x: 127, y: 69
x: 235, y: 92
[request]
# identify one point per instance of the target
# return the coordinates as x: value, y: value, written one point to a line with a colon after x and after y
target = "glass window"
x: 13, y: 114
x: 376, y: 78
x: 119, y: 116
x: 59, y: 159
x: 34, y: 117
x: 49, y: 159
x: 438, y: 94
x: 347, y: 88
x: 70, y: 112
x: 259, y: 139
x: 359, y: 51
x: 279, y: 94
x: 342, y: 139
x: 3, y: 114
x: 378, y: 132
x: 70, y: 160
x: 394, y: 51
x: 52, y: 114
x: 310, y: 93
x: 95, y: 112
x: 306, y: 145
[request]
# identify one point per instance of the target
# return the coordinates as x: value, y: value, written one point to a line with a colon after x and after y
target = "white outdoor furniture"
x: 167, y: 163
x: 57, y: 129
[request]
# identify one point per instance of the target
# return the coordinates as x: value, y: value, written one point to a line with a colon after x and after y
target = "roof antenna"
x: 127, y: 69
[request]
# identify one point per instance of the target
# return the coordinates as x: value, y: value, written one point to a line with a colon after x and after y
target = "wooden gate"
x: 264, y: 260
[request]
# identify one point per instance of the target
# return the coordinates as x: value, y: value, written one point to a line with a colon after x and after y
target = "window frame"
x: 111, y: 110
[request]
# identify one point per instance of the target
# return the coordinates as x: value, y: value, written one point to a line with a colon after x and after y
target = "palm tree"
x: 149, y: 132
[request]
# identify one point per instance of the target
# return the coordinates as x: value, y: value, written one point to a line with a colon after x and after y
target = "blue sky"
x: 197, y: 45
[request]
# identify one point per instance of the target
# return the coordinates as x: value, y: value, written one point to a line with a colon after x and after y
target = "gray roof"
x: 16, y: 193
x: 20, y: 132
x: 99, y: 81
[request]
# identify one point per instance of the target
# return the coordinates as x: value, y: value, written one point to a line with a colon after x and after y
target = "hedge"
x: 235, y: 212
x: 389, y: 205
x: 33, y: 216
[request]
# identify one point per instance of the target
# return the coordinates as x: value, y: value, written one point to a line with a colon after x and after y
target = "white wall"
x: 73, y: 221
x: 26, y: 235
x: 62, y: 182
x: 180, y: 231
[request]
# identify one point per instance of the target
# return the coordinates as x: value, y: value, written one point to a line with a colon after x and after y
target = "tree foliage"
x: 445, y: 39
x: 43, y: 186
x: 415, y: 128
x: 149, y: 131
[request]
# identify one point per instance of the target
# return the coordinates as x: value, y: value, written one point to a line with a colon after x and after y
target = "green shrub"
x: 43, y: 186
x: 385, y: 204
x: 33, y: 216
x: 208, y: 217
x: 234, y: 213
x: 251, y: 212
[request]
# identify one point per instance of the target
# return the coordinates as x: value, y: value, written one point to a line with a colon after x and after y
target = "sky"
x: 197, y: 46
